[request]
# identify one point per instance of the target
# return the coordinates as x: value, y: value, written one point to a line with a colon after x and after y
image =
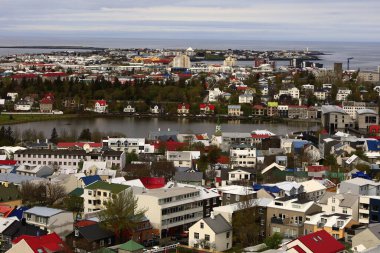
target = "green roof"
x: 77, y: 192
x: 114, y: 188
x: 131, y: 246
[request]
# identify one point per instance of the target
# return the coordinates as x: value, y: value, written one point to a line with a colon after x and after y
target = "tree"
x: 274, y: 241
x: 121, y: 214
x: 163, y: 169
x: 33, y: 193
x: 54, y: 136
x: 132, y: 156
x: 85, y: 135
x: 54, y: 192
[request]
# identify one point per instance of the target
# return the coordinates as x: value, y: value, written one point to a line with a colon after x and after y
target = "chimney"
x: 212, y: 216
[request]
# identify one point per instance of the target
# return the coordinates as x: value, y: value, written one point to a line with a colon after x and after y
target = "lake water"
x: 140, y: 127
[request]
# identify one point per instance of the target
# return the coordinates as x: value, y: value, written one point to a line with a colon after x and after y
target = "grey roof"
x: 218, y: 224
x: 365, y: 111
x: 375, y: 229
x: 94, y: 232
x: 44, y: 211
x: 188, y: 176
x: 332, y: 109
x: 18, y: 179
x: 348, y: 199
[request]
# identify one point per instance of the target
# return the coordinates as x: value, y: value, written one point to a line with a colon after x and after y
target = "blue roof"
x: 373, y: 145
x: 271, y: 189
x: 299, y: 144
x: 17, y: 212
x: 361, y: 175
x: 91, y: 179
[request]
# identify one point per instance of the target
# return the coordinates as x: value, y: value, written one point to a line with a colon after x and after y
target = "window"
x: 202, y: 225
x: 89, y: 192
x: 228, y: 235
x: 109, y: 241
x: 101, y: 243
x: 196, y: 235
x: 333, y: 208
x: 333, y: 200
x: 207, y: 238
x: 345, y: 210
x: 228, y: 245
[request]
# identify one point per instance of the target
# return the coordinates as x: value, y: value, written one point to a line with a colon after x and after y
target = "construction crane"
x: 348, y: 62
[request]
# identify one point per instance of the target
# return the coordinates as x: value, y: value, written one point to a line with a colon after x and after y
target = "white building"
x: 242, y: 156
x: 345, y: 203
x: 213, y: 233
x: 214, y: 94
x: 230, y: 61
x: 128, y: 145
x: 182, y: 159
x: 97, y: 194
x: 245, y: 99
x: 181, y: 61
x: 320, y: 95
x: 22, y: 105
x: 343, y: 94
x: 100, y: 106
x: 34, y: 170
x: 129, y: 109
x: 53, y: 220
x: 352, y: 107
x: 175, y: 206
x: 293, y: 92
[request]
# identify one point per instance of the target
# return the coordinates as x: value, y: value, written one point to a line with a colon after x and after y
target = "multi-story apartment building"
x: 176, y: 207
x: 360, y: 186
x: 287, y: 216
x: 333, y: 223
x: 97, y: 194
x: 340, y: 203
x: 51, y: 220
x: 366, y: 118
x: 68, y: 159
x: 293, y: 92
x: 272, y: 109
x: 243, y: 156
x: 231, y: 194
x: 335, y: 118
x: 369, y: 209
x: 351, y: 107
x: 129, y: 145
x: 321, y: 95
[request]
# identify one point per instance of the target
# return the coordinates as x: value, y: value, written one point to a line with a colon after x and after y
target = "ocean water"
x: 366, y: 54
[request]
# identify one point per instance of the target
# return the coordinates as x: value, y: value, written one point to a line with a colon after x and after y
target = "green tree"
x: 274, y: 241
x: 130, y: 157
x: 54, y: 136
x: 121, y: 214
x: 85, y: 135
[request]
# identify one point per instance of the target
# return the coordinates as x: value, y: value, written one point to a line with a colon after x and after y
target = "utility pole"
x: 348, y: 62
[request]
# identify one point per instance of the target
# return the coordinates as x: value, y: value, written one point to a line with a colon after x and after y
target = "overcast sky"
x: 306, y: 20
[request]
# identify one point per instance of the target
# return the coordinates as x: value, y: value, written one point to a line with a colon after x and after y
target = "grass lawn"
x: 23, y: 118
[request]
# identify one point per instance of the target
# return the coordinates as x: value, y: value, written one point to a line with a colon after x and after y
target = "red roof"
x: 260, y: 136
x: 223, y: 160
x: 184, y: 75
x: 153, y: 182
x: 46, y: 101
x: 78, y: 144
x: 299, y: 249
x: 5, y: 210
x: 85, y: 223
x: 45, y: 243
x: 20, y: 76
x: 260, y: 107
x: 317, y: 168
x: 8, y: 162
x: 101, y: 102
x: 321, y: 241
x: 169, y: 145
x: 54, y: 74
x: 210, y: 106
x: 187, y: 106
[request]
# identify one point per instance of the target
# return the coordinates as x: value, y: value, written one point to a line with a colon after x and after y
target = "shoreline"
x: 5, y: 119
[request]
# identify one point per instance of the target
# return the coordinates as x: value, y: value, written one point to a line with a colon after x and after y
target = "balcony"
x: 286, y: 221
x: 277, y: 220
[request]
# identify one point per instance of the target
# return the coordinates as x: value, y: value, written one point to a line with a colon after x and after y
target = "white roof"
x: 236, y: 206
x: 97, y: 164
x: 282, y: 168
x: 263, y: 132
x: 236, y: 190
x: 312, y: 186
x: 360, y: 181
x: 6, y: 222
